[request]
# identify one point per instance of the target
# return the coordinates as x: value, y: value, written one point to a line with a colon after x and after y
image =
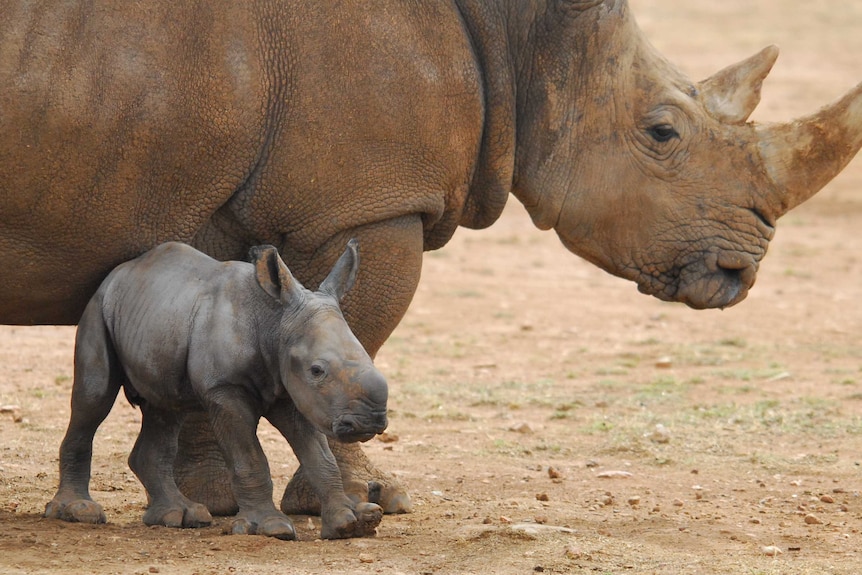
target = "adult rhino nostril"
x: 737, y: 268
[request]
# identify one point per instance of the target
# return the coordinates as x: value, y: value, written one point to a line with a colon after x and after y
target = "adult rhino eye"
x: 317, y: 371
x: 662, y: 133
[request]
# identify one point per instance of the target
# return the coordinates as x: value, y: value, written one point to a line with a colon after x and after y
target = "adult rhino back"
x: 122, y: 125
x: 224, y: 125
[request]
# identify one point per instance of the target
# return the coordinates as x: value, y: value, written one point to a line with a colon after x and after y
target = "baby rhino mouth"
x: 718, y: 280
x: 351, y: 427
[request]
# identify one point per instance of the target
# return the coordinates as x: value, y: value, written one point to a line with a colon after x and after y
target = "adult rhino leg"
x: 390, y: 255
x: 200, y: 470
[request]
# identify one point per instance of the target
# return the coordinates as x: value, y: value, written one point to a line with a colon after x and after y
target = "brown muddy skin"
x: 416, y: 124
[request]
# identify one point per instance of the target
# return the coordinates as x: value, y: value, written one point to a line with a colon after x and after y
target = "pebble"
x: 542, y: 497
x: 614, y: 474
x: 386, y: 437
x: 366, y: 558
x: 660, y: 434
x: 634, y: 501
x: 13, y: 410
x: 771, y: 550
x: 827, y: 499
x: 554, y: 473
x: 521, y: 427
x: 664, y: 362
x: 812, y: 519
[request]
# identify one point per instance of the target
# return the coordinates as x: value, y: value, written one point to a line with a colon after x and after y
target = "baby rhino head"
x: 328, y: 374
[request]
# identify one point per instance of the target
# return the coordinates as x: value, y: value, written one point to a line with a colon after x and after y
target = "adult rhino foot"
x: 200, y: 470
x: 75, y: 511
x: 362, y: 482
x: 272, y: 524
x: 346, y: 523
x: 177, y: 515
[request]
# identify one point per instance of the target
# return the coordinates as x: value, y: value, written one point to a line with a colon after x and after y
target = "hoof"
x: 392, y: 498
x: 278, y: 526
x: 190, y: 516
x: 76, y: 511
x: 361, y: 522
x: 299, y: 498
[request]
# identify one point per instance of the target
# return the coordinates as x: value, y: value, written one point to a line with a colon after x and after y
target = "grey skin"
x: 182, y: 332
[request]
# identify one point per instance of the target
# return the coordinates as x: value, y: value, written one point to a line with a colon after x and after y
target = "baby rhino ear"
x: 272, y: 274
x: 343, y: 274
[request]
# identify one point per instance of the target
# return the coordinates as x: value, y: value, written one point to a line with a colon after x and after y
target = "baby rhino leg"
x: 341, y: 516
x: 152, y: 460
x: 234, y: 422
x: 94, y: 390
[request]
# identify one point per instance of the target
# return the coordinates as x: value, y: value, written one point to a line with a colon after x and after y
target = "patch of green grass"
x: 598, y: 426
x: 733, y: 342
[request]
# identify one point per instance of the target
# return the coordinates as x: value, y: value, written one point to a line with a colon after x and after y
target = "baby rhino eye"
x: 662, y: 133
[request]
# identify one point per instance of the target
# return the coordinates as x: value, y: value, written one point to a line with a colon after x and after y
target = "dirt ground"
x: 545, y: 416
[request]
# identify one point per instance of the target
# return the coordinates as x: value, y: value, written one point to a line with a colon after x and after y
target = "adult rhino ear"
x: 731, y: 94
x: 272, y: 274
x: 343, y: 274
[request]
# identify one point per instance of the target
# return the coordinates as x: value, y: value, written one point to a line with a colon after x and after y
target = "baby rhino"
x: 180, y: 332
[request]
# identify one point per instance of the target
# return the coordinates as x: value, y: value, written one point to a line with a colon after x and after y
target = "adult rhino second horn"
x: 802, y: 156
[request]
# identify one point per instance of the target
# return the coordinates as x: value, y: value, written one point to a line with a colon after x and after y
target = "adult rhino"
x: 301, y: 124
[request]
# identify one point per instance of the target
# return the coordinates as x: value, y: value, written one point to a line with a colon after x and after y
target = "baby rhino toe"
x: 360, y: 522
x: 76, y: 511
x: 271, y: 525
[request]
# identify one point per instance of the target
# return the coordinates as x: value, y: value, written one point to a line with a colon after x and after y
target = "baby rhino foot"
x: 75, y: 511
x: 360, y: 522
x: 178, y: 515
x: 272, y: 524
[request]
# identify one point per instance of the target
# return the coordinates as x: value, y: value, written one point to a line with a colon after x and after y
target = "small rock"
x: 660, y: 434
x: 613, y: 474
x: 540, y: 519
x: 387, y: 437
x: 554, y: 473
x: 521, y: 427
x: 678, y: 502
x: 770, y: 550
x: 634, y: 501
x: 504, y: 519
x: 14, y: 411
x: 812, y: 519
x: 827, y: 499
x: 664, y: 362
x: 573, y: 552
x: 542, y: 497
x: 366, y: 558
x: 591, y: 463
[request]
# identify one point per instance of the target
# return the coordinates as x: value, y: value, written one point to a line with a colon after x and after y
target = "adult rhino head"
x: 649, y: 175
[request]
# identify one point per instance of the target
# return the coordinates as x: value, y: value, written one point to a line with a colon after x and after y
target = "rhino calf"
x: 182, y: 332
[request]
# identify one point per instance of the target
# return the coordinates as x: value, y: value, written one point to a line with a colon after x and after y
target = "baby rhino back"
x: 170, y: 304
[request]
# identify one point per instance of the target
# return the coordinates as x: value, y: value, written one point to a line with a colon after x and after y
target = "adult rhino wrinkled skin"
x: 302, y: 124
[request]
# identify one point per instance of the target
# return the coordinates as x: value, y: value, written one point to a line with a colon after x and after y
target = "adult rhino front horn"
x: 302, y: 124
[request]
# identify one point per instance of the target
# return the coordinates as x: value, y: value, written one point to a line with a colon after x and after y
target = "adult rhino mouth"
x: 717, y: 280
